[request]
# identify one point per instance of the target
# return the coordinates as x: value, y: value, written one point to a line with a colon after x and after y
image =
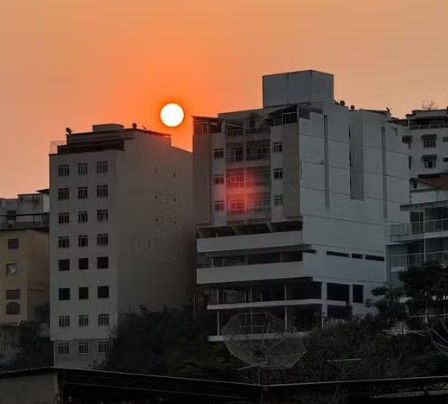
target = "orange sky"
x: 78, y: 62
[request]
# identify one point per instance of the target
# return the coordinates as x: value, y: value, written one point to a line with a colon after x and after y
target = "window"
x: 429, y: 141
x: 338, y: 292
x: 277, y: 147
x: 237, y: 207
x: 357, y: 256
x: 13, y: 308
x: 219, y: 206
x: 11, y: 269
x: 83, y: 216
x: 445, y: 138
x: 64, y: 218
x: 337, y: 254
x: 278, y: 200
x: 83, y: 240
x: 83, y: 320
x: 102, y: 239
x: 278, y: 173
x: 83, y: 348
x: 13, y: 243
x: 83, y: 293
x: 83, y: 263
x: 64, y: 242
x: 218, y: 153
x: 63, y: 170
x: 64, y: 293
x: 64, y: 348
x: 429, y: 161
x: 445, y: 159
x: 407, y: 140
x: 64, y: 321
x: 102, y: 167
x: 103, y: 292
x: 102, y: 262
x: 13, y: 294
x: 103, y: 347
x: 409, y: 162
x: 82, y: 168
x: 218, y: 179
x: 64, y: 265
x: 103, y: 320
x: 358, y: 293
x: 83, y: 193
x: 102, y: 191
x: 102, y: 215
x: 63, y: 193
x: 374, y: 257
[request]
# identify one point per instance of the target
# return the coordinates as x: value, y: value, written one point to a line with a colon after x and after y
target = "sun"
x: 172, y: 115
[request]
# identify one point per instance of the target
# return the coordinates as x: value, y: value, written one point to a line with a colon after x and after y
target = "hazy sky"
x: 78, y: 62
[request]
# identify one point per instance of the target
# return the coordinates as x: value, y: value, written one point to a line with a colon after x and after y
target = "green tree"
x: 389, y: 304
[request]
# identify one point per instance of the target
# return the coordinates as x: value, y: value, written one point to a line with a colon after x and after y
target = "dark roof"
x: 440, y: 182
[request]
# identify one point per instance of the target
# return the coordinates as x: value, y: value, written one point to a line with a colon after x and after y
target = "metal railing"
x: 427, y: 226
x: 407, y: 260
x: 429, y: 126
x: 241, y: 131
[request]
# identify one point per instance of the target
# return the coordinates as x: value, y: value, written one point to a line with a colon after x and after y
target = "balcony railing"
x: 427, y: 226
x: 407, y: 260
x: 430, y: 125
x: 240, y: 131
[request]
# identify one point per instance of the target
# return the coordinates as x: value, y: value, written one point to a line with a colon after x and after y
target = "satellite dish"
x: 68, y: 130
x: 262, y: 340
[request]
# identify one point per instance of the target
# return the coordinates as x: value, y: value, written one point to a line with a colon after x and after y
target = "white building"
x: 292, y: 201
x: 121, y: 234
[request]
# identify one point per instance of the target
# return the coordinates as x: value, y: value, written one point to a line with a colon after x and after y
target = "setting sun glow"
x: 172, y: 115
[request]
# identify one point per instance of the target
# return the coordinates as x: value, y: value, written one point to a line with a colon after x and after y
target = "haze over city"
x: 75, y: 63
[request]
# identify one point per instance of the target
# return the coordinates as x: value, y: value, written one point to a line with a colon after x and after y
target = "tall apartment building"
x: 292, y: 201
x: 24, y: 268
x: 122, y: 234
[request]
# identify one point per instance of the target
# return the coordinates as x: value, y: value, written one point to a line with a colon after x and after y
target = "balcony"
x: 25, y: 221
x: 416, y: 230
x: 431, y: 125
x: 407, y: 260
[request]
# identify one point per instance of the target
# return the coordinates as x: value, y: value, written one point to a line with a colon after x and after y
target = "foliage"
x: 389, y: 304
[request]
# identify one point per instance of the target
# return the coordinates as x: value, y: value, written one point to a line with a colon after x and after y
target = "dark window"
x: 218, y: 179
x: 83, y: 263
x: 102, y: 239
x: 218, y: 153
x: 83, y: 348
x: 103, y: 319
x: 13, y: 294
x: 83, y: 216
x: 358, y: 293
x: 82, y: 168
x: 374, y: 257
x: 64, y: 265
x: 83, y: 293
x: 102, y: 262
x: 277, y: 147
x: 103, y: 292
x: 218, y: 206
x: 83, y: 193
x: 64, y: 293
x: 13, y: 308
x: 338, y: 292
x: 278, y: 173
x: 13, y: 243
x: 64, y: 218
x: 64, y: 242
x: 102, y: 167
x: 337, y: 254
x: 83, y: 240
x: 359, y: 256
x: 63, y: 170
x: 407, y: 140
x: 63, y: 193
x: 445, y: 159
x: 102, y: 215
x: 102, y: 191
x: 429, y: 141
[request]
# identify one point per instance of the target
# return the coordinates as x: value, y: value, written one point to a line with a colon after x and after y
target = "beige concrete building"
x: 122, y: 235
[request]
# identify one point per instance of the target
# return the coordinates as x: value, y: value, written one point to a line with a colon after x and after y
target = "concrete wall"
x: 29, y: 389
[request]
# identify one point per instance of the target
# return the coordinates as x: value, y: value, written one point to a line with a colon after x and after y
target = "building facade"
x: 292, y: 201
x: 122, y: 235
x: 24, y: 274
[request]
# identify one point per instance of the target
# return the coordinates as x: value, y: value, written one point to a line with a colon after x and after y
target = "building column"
x: 218, y: 320
x: 324, y: 306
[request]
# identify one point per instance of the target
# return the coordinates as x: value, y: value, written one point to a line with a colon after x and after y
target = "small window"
x: 11, y: 269
x: 63, y: 170
x: 102, y: 262
x: 407, y: 140
x: 13, y: 243
x: 83, y: 216
x: 102, y: 239
x: 13, y: 308
x: 102, y: 167
x: 102, y: 215
x: 64, y: 265
x: 103, y: 347
x: 219, y: 206
x: 102, y: 191
x: 63, y: 193
x: 103, y: 320
x: 83, y: 293
x: 83, y: 348
x: 431, y: 164
x: 64, y: 348
x: 13, y: 294
x: 277, y: 147
x: 218, y: 179
x: 83, y: 240
x: 64, y: 293
x: 83, y: 263
x: 445, y: 138
x: 83, y: 193
x: 374, y: 257
x: 63, y: 242
x: 409, y: 162
x: 64, y: 321
x: 445, y: 159
x: 218, y: 153
x: 357, y: 256
x: 358, y: 293
x: 337, y: 254
x: 429, y: 141
x: 82, y: 168
x: 83, y: 320
x: 64, y: 218
x: 338, y: 292
x: 278, y: 173
x: 278, y: 200
x: 103, y: 292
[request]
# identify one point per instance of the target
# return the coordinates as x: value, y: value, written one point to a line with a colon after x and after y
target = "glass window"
x: 218, y: 179
x: 63, y: 348
x: 102, y: 191
x: 64, y: 265
x: 82, y: 168
x: 11, y: 269
x: 102, y: 262
x: 83, y: 240
x: 13, y: 243
x: 338, y: 292
x: 83, y: 216
x: 63, y: 170
x: 102, y: 215
x: 63, y: 242
x: 278, y: 200
x: 83, y: 263
x: 64, y: 218
x: 13, y: 294
x: 13, y: 308
x: 102, y: 167
x: 103, y: 292
x: 83, y: 347
x: 63, y: 193
x: 64, y: 321
x: 358, y: 293
x: 429, y: 141
x: 278, y: 173
x: 103, y: 347
x: 277, y: 147
x: 218, y: 153
x: 83, y: 193
x: 64, y: 293
x: 83, y: 320
x: 83, y: 293
x: 219, y: 206
x: 103, y: 320
x: 102, y: 239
